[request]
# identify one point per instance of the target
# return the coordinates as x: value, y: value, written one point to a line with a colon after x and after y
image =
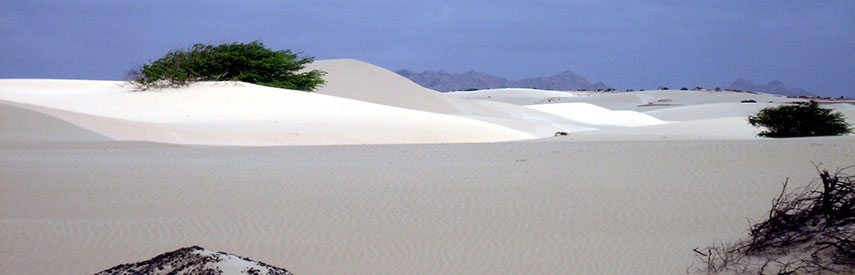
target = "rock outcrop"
x: 196, y: 260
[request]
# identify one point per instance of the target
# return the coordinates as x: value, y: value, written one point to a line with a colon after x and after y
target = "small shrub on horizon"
x: 801, y: 119
x: 251, y: 62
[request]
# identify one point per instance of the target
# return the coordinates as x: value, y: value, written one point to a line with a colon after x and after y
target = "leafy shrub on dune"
x: 251, y: 62
x: 800, y: 120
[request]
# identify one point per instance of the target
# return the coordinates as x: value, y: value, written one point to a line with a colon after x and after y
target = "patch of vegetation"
x: 809, y: 231
x: 800, y: 120
x: 251, y: 62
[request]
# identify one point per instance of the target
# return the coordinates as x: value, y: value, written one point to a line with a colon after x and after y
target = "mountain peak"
x: 567, y: 72
x: 774, y: 87
x: 742, y: 82
x: 775, y: 83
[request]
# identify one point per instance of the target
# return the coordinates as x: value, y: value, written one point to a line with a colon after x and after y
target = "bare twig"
x: 808, y: 230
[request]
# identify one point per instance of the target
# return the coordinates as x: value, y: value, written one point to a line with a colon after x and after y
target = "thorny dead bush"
x: 809, y: 230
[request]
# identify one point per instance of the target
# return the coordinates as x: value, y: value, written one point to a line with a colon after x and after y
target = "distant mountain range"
x: 774, y: 87
x: 566, y: 81
x: 445, y: 82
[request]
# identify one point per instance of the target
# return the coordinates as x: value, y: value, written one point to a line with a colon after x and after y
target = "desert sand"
x: 357, y: 178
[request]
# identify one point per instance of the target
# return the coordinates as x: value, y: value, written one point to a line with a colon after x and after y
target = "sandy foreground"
x: 92, y: 176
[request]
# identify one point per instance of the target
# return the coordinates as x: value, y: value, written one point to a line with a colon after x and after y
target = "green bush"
x: 800, y: 120
x: 250, y: 62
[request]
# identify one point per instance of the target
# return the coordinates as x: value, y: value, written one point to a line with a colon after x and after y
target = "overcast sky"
x: 643, y: 44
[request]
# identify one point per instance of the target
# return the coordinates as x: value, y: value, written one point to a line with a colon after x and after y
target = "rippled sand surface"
x: 557, y: 206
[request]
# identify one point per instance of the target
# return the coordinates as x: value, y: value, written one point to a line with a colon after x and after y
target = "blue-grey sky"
x: 626, y: 44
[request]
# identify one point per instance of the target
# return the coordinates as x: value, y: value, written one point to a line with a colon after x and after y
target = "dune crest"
x: 353, y: 79
x: 365, y: 104
x: 234, y: 113
x: 589, y: 113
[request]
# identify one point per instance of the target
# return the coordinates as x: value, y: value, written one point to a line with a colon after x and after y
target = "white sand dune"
x: 641, y: 101
x: 848, y: 110
x: 529, y: 120
x: 689, y: 114
x: 733, y: 110
x: 705, y: 121
x: 348, y: 78
x: 242, y: 114
x: 727, y: 128
x: 623, y: 193
x: 22, y: 125
x: 353, y: 79
x: 709, y: 111
x: 362, y: 81
x: 360, y: 104
x: 593, y: 114
x: 518, y: 96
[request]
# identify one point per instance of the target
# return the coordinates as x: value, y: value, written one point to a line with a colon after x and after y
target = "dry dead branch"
x: 810, y: 230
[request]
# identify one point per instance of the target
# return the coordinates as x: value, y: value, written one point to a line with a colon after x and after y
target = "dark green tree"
x: 800, y: 120
x: 251, y: 62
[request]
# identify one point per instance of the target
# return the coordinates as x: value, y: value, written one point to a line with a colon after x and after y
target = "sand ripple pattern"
x: 537, y: 208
